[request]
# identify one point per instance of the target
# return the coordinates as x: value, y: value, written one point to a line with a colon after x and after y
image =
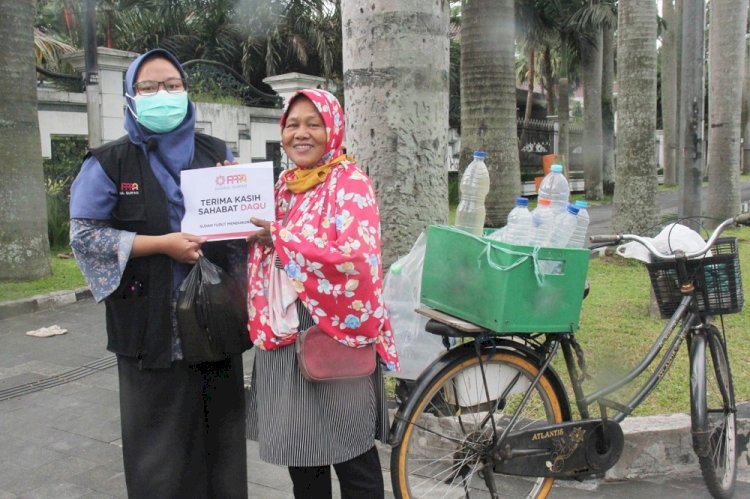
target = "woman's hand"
x: 180, y: 246
x: 228, y: 163
x: 183, y: 247
x: 263, y: 236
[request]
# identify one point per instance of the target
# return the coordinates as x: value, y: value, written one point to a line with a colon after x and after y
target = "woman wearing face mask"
x: 183, y: 429
x: 327, y: 240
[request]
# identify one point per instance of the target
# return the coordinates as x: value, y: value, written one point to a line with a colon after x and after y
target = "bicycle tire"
x: 714, y: 417
x: 440, y: 452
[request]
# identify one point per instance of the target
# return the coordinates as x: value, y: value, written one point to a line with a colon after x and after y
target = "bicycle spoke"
x: 443, y: 449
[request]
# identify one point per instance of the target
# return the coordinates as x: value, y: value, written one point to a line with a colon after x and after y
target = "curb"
x: 663, y: 445
x: 42, y: 302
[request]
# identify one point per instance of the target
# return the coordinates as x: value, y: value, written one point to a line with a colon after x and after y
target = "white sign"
x: 220, y: 200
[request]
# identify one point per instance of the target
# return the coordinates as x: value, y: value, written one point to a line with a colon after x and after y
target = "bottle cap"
x: 522, y: 201
x: 557, y: 168
x: 395, y: 268
x: 573, y: 209
x: 581, y: 204
x: 480, y: 154
x: 544, y: 201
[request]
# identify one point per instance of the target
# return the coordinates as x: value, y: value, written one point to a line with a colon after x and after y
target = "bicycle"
x: 492, y: 415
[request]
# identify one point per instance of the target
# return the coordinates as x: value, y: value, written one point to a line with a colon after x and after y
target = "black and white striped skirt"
x: 300, y: 423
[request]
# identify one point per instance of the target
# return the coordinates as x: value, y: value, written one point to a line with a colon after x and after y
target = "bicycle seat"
x: 436, y: 327
x: 443, y: 324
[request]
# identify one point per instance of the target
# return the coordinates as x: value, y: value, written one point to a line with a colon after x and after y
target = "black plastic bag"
x: 212, y: 314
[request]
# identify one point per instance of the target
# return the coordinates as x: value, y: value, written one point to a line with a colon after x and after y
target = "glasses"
x: 150, y: 87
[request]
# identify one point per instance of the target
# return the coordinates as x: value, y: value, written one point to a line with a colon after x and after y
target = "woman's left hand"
x: 263, y: 236
x: 228, y: 163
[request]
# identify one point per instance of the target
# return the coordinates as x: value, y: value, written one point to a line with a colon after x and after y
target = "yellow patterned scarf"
x: 303, y: 179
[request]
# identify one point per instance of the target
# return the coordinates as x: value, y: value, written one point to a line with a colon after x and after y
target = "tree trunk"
x: 636, y: 185
x: 608, y: 110
x: 529, y: 97
x: 396, y: 63
x: 488, y: 100
x: 746, y: 114
x: 691, y: 92
x: 530, y: 92
x: 726, y: 55
x: 591, y: 69
x: 23, y: 210
x: 549, y: 85
x: 669, y: 90
x: 564, y: 110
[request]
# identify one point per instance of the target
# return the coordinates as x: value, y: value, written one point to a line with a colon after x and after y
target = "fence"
x: 537, y: 138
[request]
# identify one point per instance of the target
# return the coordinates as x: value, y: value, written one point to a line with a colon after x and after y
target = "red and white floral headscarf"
x: 333, y: 117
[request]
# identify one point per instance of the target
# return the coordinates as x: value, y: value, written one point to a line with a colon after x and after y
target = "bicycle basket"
x: 717, y: 280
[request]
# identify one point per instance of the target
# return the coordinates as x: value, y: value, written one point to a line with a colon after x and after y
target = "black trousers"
x: 360, y: 478
x: 183, y: 430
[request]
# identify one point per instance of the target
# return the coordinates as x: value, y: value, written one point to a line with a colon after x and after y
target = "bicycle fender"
x: 457, y: 354
x: 698, y: 414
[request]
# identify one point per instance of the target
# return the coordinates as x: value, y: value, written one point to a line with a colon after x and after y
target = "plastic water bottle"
x: 519, y: 228
x: 555, y: 187
x: 543, y: 221
x: 578, y: 239
x: 565, y: 226
x: 475, y: 184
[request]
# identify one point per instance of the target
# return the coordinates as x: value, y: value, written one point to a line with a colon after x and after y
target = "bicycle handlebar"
x: 743, y: 219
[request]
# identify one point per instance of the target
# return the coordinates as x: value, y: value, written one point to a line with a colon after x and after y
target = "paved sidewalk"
x: 60, y: 432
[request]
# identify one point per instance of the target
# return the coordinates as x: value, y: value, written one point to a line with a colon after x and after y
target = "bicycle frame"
x: 541, y: 443
x: 684, y: 317
x: 687, y: 319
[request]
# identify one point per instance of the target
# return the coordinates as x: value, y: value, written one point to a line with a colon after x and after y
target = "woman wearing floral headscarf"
x: 327, y: 240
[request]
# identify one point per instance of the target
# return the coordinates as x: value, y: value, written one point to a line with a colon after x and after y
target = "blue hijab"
x: 168, y: 153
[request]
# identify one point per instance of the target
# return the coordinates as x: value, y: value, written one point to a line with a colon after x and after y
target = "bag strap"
x: 288, y: 210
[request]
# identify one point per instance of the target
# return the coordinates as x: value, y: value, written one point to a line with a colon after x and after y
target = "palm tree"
x: 573, y: 29
x: 691, y: 92
x: 23, y: 212
x: 61, y: 19
x: 608, y: 110
x: 396, y: 63
x: 48, y: 49
x: 670, y: 37
x: 726, y: 50
x: 282, y: 36
x: 636, y: 183
x: 191, y: 29
x: 256, y: 39
x: 746, y: 114
x: 488, y: 99
x: 593, y: 147
x: 585, y: 26
x: 536, y: 32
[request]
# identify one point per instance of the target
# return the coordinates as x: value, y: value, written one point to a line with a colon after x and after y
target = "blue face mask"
x: 161, y: 112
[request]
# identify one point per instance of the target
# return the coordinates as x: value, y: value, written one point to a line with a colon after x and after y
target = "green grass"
x: 65, y: 275
x: 617, y: 332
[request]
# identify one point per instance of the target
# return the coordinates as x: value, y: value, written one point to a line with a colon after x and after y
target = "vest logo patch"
x: 129, y: 188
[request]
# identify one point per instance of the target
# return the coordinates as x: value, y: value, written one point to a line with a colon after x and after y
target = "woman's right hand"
x: 183, y: 247
x: 263, y: 236
x: 180, y: 246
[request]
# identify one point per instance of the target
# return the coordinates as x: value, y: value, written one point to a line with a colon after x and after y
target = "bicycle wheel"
x: 714, y: 416
x: 444, y: 449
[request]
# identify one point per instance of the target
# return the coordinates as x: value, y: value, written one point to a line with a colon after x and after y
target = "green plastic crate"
x: 494, y: 284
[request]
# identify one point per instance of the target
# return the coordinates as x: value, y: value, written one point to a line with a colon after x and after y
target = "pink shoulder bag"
x: 322, y: 358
